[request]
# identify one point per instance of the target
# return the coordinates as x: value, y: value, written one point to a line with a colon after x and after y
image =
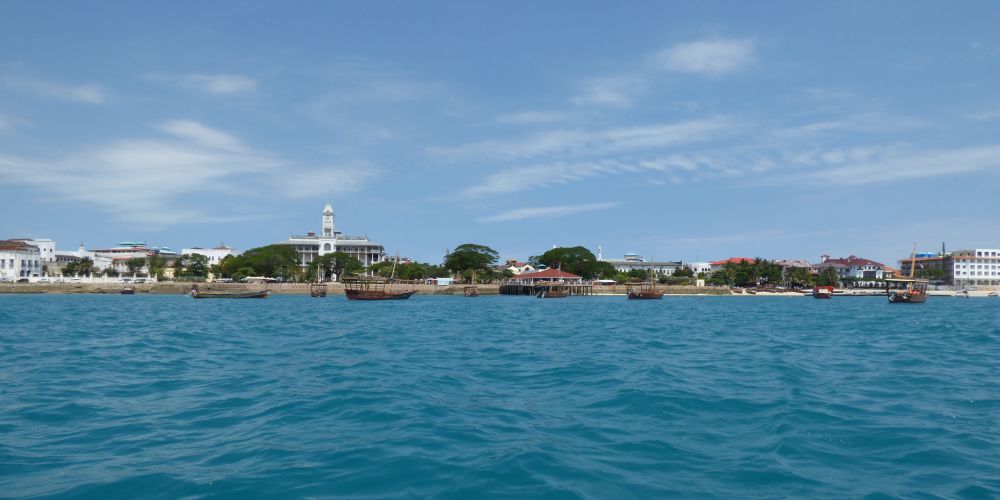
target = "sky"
x: 676, y: 130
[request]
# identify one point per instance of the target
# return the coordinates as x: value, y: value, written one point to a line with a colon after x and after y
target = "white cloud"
x: 547, y: 212
x: 221, y: 84
x: 535, y: 117
x: 88, y: 93
x: 143, y: 180
x: 915, y: 165
x: 715, y: 57
x: 610, y: 91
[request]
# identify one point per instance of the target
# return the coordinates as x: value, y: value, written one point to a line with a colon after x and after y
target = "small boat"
x: 822, y: 292
x: 964, y: 294
x: 128, y: 290
x: 230, y: 294
x: 317, y: 290
x: 910, y: 290
x: 471, y: 291
x: 643, y: 290
x: 378, y: 288
x: 993, y: 294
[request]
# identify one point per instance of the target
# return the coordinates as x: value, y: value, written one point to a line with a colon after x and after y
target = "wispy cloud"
x: 924, y: 163
x: 869, y: 123
x: 547, y: 212
x: 87, y: 93
x: 617, y: 91
x: 218, y: 84
x: 144, y: 180
x: 535, y: 117
x: 713, y: 57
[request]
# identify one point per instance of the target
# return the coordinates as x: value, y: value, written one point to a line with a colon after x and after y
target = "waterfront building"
x: 548, y: 275
x: 718, y: 265
x: 853, y: 267
x: 63, y: 257
x: 214, y: 255
x: 517, y: 267
x: 46, y: 247
x: 962, y: 268
x: 700, y: 267
x: 329, y: 240
x: 127, y: 250
x: 632, y: 261
x: 19, y: 260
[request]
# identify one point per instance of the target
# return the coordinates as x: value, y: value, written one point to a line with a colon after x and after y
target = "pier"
x: 535, y: 289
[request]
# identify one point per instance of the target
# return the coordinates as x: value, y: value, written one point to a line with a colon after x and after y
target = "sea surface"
x: 586, y: 397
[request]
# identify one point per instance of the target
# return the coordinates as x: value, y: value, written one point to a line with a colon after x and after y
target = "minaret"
x: 328, y: 221
x: 600, y: 253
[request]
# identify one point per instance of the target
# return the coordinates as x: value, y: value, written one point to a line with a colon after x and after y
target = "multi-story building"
x: 214, y: 255
x: 46, y: 247
x: 632, y: 261
x: 127, y: 250
x: 975, y: 267
x: 718, y: 265
x: 853, y: 267
x: 19, y: 260
x: 704, y: 268
x: 63, y: 257
x: 329, y: 240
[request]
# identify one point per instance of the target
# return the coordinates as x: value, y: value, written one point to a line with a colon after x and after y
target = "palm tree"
x: 85, y: 266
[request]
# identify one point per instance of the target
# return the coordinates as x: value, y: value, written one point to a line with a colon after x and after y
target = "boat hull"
x: 906, y: 298
x: 375, y: 295
x: 646, y: 296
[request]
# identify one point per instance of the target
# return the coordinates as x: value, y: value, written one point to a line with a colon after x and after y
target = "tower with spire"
x: 328, y: 217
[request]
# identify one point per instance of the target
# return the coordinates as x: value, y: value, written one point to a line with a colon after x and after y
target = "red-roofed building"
x: 719, y: 264
x: 853, y: 267
x: 546, y: 275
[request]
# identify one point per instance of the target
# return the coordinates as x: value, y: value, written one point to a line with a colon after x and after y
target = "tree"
x: 638, y: 274
x: 135, y: 264
x: 71, y: 268
x: 577, y: 260
x: 337, y: 264
x: 827, y: 277
x: 85, y: 266
x: 194, y: 266
x: 111, y: 272
x: 798, y: 277
x: 684, y: 272
x: 471, y: 257
x: 276, y: 261
x: 156, y: 264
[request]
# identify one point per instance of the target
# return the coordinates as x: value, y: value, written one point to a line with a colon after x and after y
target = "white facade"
x: 312, y: 246
x: 214, y: 255
x: 46, y: 247
x: 635, y: 261
x: 700, y: 267
x: 980, y: 266
x: 101, y: 262
x: 19, y: 260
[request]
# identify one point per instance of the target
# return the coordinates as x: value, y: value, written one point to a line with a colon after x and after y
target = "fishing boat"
x: 964, y: 294
x: 472, y: 291
x: 377, y: 288
x: 993, y: 294
x: 317, y: 289
x: 822, y: 292
x: 554, y: 290
x: 229, y: 294
x: 643, y: 290
x: 128, y: 290
x: 909, y: 290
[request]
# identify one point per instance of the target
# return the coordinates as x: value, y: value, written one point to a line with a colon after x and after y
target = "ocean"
x: 515, y: 397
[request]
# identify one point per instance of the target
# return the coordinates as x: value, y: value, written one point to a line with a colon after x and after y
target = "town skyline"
x: 676, y: 132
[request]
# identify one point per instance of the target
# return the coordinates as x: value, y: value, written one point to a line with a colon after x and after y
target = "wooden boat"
x: 964, y: 294
x: 128, y: 290
x: 229, y: 294
x: 377, y: 288
x: 471, y: 291
x: 643, y: 290
x: 822, y: 292
x: 909, y: 290
x: 317, y: 289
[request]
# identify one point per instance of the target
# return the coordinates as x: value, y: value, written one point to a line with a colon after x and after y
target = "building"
x: 517, y: 267
x: 853, y: 267
x: 718, y: 265
x: 63, y: 257
x: 19, y: 260
x: 127, y: 250
x: 312, y: 246
x: 699, y: 267
x: 46, y: 247
x: 632, y: 261
x: 962, y: 268
x: 547, y: 275
x: 214, y: 255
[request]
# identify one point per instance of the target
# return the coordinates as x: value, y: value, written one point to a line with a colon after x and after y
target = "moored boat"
x: 643, y: 290
x: 471, y: 291
x: 909, y: 290
x: 128, y: 290
x: 553, y: 290
x: 822, y: 292
x: 229, y: 294
x: 317, y: 290
x: 378, y: 288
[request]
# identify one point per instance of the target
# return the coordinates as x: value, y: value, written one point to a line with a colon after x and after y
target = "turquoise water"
x: 165, y: 396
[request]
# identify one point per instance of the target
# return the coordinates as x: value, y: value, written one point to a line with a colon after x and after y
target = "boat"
x: 377, y: 288
x: 128, y: 290
x: 229, y: 294
x: 822, y: 292
x: 909, y: 290
x: 471, y: 291
x: 643, y: 290
x: 993, y: 294
x: 964, y: 294
x: 317, y: 289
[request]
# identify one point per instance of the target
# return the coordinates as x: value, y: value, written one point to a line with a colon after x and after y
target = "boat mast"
x: 913, y: 261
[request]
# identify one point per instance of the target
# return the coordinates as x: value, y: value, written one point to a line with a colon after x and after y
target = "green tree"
x: 111, y: 272
x: 577, y: 260
x: 471, y: 257
x: 194, y: 266
x: 85, y: 267
x: 827, y: 277
x: 337, y: 264
x: 135, y: 264
x: 620, y: 278
x: 684, y: 272
x: 275, y: 261
x: 71, y: 268
x: 798, y: 277
x: 638, y: 274
x: 156, y: 264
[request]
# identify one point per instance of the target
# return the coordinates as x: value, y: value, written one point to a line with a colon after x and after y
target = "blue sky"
x: 708, y: 130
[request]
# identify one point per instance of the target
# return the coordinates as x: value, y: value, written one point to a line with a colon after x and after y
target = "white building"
x: 635, y: 261
x: 46, y: 247
x: 63, y: 257
x: 980, y: 266
x: 853, y: 267
x: 214, y: 255
x: 19, y: 260
x: 311, y: 246
x: 700, y: 267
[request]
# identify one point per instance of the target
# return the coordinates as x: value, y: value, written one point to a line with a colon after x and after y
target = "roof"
x: 793, y: 263
x: 15, y: 245
x: 734, y: 260
x: 549, y: 273
x: 852, y: 261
